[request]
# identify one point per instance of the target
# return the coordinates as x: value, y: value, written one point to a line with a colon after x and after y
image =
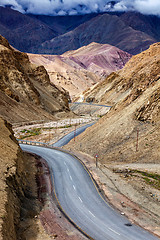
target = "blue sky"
x: 73, y: 7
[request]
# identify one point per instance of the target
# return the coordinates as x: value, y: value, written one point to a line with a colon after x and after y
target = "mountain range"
x: 104, y: 28
x: 130, y: 31
x: 79, y: 69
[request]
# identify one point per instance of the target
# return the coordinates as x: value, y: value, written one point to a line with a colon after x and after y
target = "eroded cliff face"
x: 25, y: 90
x: 15, y: 187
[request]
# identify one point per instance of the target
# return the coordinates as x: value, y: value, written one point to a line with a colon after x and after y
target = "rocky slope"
x: 130, y: 31
x: 130, y: 131
x: 63, y: 24
x: 77, y: 70
x: 32, y: 30
x: 29, y: 32
x: 148, y: 24
x: 102, y: 29
x: 17, y: 194
x: 25, y: 90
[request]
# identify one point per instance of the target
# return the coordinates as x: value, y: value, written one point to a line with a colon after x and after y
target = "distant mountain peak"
x: 129, y: 31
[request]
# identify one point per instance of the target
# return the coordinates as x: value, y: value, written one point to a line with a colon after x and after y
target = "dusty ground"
x: 51, y: 131
x: 135, y: 199
x: 89, y: 110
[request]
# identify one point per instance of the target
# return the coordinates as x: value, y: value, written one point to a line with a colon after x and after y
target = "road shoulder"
x: 134, y: 200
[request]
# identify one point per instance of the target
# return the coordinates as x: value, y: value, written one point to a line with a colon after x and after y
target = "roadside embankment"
x: 18, y: 191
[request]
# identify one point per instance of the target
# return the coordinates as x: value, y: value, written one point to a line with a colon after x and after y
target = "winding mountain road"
x: 91, y: 104
x: 66, y: 139
x: 81, y: 201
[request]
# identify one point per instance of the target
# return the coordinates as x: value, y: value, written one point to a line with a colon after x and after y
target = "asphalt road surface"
x: 81, y: 201
x: 66, y: 139
x: 91, y: 104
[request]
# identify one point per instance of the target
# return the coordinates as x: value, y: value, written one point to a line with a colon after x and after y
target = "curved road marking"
x: 61, y: 208
x: 92, y: 214
x: 114, y: 231
x: 80, y: 199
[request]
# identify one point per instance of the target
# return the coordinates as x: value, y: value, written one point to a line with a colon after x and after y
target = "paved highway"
x: 66, y: 139
x: 91, y: 104
x: 81, y: 201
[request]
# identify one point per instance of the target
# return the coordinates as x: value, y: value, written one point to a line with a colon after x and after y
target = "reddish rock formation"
x: 77, y: 70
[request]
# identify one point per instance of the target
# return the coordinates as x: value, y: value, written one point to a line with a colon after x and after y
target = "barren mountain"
x: 26, y: 92
x: 22, y: 31
x: 148, y: 24
x: 130, y: 31
x: 130, y: 132
x: 63, y: 24
x: 102, y: 29
x: 77, y: 70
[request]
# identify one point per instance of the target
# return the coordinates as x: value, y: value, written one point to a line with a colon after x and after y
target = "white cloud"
x: 14, y: 3
x: 148, y: 6
x: 63, y: 7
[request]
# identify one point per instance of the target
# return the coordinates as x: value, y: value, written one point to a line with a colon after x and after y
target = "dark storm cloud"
x: 73, y: 7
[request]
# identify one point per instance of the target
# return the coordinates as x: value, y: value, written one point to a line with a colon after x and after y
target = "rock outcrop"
x: 127, y: 85
x: 26, y: 92
x: 15, y: 184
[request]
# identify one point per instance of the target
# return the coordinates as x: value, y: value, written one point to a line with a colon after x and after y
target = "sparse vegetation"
x: 30, y: 133
x: 151, y: 178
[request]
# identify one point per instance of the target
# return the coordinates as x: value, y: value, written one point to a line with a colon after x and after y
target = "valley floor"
x: 125, y: 186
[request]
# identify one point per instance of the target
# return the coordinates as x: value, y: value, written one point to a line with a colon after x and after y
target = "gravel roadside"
x: 136, y: 200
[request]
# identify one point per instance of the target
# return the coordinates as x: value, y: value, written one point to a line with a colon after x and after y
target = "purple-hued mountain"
x: 23, y: 32
x: 103, y: 29
x: 130, y: 31
x: 79, y: 69
x: 98, y: 58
